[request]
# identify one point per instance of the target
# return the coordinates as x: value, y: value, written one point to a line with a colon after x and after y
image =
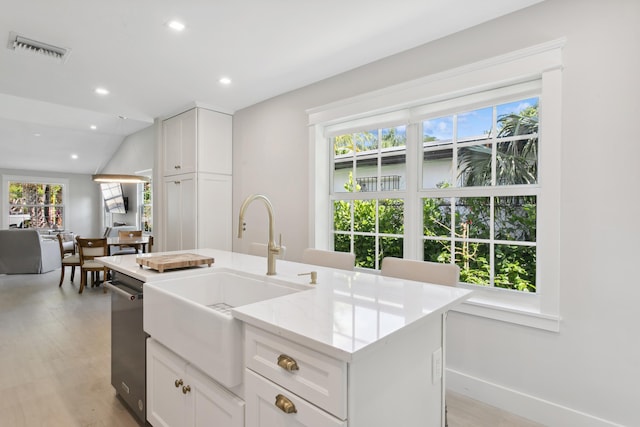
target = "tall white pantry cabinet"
x: 197, y: 175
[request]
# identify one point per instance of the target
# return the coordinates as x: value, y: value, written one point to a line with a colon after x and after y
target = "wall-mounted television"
x: 114, y: 200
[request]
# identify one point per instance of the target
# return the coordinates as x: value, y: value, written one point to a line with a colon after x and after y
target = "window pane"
x: 437, y: 217
x: 515, y: 267
x: 364, y: 216
x: 342, y: 215
x: 517, y: 162
x: 517, y: 118
x: 394, y: 137
x: 437, y: 250
x: 473, y: 260
x: 365, y: 250
x: 474, y: 166
x: 473, y: 216
x: 390, y: 246
x: 475, y: 125
x: 391, y: 216
x: 515, y: 218
x: 367, y: 173
x: 437, y: 131
x: 343, y: 177
x: 342, y: 243
x: 436, y: 167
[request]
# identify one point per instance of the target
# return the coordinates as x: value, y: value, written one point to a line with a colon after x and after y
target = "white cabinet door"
x: 208, y: 404
x: 215, y: 222
x: 261, y: 397
x: 214, y: 142
x: 180, y: 213
x: 165, y: 377
x: 179, y: 135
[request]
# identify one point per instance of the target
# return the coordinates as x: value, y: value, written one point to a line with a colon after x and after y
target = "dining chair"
x: 260, y: 249
x: 422, y: 271
x: 128, y: 249
x: 340, y: 260
x: 68, y: 255
x: 89, y: 249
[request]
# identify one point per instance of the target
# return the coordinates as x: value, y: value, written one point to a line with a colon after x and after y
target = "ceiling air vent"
x: 26, y: 45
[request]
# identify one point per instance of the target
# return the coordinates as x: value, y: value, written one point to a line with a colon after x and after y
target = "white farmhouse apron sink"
x: 191, y: 315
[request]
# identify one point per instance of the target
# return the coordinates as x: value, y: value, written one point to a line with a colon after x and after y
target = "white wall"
x: 135, y: 154
x: 587, y: 374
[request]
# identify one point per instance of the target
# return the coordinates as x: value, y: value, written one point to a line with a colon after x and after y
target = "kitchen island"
x: 355, y: 349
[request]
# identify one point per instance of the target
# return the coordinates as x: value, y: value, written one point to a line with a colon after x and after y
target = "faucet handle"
x: 314, y: 277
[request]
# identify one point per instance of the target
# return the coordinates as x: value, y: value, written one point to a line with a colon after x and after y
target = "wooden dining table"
x: 138, y: 241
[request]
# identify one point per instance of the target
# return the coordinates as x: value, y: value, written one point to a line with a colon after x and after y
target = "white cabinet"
x: 180, y: 197
x: 288, y: 384
x: 198, y: 211
x: 198, y: 140
x: 180, y: 395
x: 269, y: 404
x: 197, y: 168
x: 395, y: 385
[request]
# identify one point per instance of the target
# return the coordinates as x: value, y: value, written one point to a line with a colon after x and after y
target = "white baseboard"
x: 521, y: 404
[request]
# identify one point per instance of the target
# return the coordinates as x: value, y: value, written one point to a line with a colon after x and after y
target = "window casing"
x: 485, y: 87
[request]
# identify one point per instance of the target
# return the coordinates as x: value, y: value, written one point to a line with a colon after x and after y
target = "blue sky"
x: 473, y: 123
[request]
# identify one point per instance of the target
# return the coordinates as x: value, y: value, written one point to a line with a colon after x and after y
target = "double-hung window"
x: 35, y: 202
x: 466, y: 173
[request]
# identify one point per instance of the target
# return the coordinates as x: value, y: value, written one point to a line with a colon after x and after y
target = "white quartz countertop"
x: 346, y: 315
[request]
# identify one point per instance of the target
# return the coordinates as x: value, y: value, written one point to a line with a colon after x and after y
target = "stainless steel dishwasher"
x: 128, y: 343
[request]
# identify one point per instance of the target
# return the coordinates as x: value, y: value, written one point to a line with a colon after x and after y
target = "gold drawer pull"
x: 186, y: 389
x: 178, y: 383
x: 287, y: 363
x: 285, y: 405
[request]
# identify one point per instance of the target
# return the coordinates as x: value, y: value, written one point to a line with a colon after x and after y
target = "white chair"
x: 340, y: 260
x: 260, y: 249
x: 421, y: 271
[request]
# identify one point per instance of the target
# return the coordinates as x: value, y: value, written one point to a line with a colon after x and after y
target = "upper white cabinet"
x: 198, y: 140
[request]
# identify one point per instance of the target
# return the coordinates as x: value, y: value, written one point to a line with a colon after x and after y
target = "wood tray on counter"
x: 171, y: 262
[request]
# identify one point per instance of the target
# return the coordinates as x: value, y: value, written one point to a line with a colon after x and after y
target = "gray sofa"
x: 25, y: 251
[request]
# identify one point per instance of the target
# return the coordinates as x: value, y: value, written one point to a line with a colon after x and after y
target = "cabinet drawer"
x: 262, y: 411
x: 319, y: 379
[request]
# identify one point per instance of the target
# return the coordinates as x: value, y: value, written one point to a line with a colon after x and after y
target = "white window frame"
x: 408, y: 102
x: 6, y: 179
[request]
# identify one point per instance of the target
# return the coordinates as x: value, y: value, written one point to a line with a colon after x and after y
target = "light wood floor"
x: 55, y: 360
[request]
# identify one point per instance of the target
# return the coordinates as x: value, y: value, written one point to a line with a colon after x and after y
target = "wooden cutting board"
x: 169, y: 262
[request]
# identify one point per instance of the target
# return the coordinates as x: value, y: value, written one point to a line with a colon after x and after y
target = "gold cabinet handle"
x: 285, y: 405
x: 177, y: 167
x: 287, y: 363
x: 186, y: 389
x: 178, y: 383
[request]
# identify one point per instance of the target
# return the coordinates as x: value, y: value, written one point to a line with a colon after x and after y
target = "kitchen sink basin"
x: 191, y: 316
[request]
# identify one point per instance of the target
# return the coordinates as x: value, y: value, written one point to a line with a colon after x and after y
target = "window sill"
x: 518, y: 312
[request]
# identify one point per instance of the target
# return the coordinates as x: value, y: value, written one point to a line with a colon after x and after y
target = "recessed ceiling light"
x: 36, y: 134
x: 102, y: 91
x: 74, y: 156
x: 225, y: 81
x: 175, y: 25
x: 93, y: 127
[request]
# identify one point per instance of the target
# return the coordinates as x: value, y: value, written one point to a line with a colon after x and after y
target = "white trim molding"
x: 524, y: 405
